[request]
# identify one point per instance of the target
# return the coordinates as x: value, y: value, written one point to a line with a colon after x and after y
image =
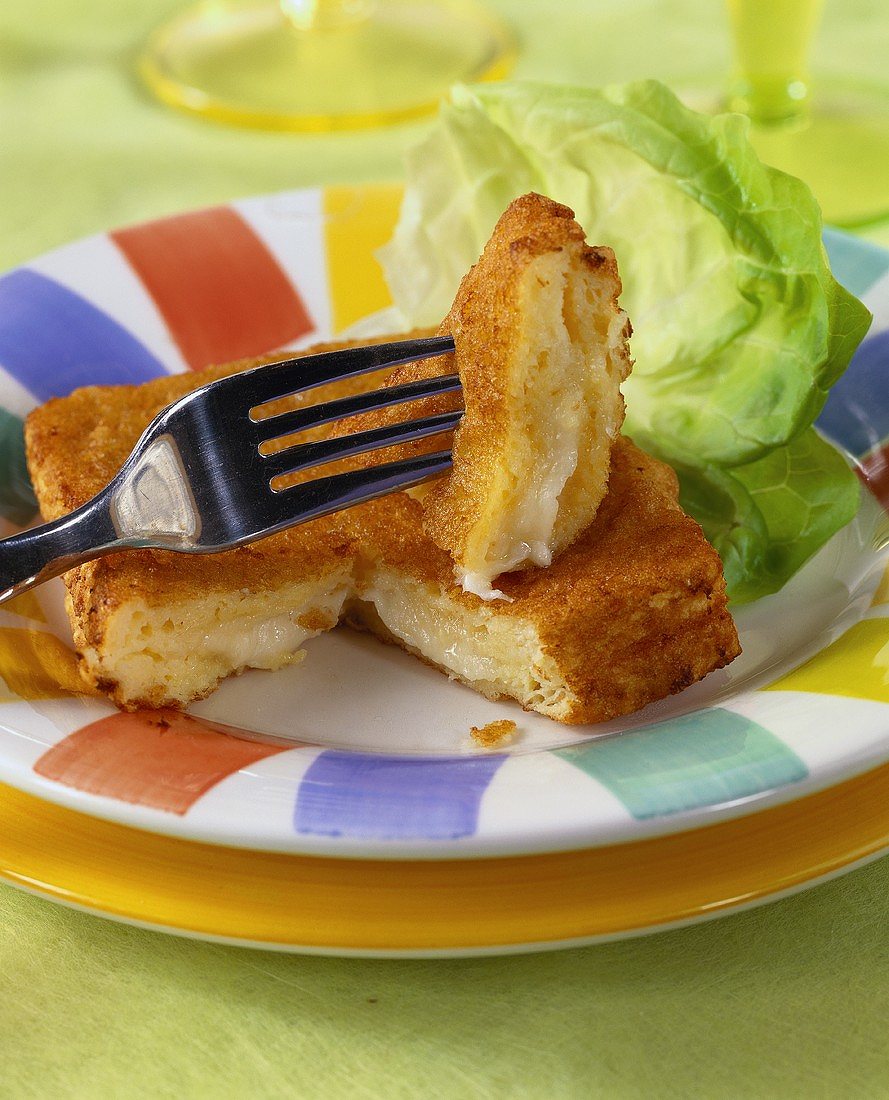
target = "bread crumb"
x: 315, y: 620
x: 494, y: 733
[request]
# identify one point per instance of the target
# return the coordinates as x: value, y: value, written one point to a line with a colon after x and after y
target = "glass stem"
x: 312, y: 15
x: 772, y: 40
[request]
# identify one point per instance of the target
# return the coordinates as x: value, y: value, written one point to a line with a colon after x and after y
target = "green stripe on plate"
x: 857, y: 264
x: 17, y: 502
x: 701, y: 759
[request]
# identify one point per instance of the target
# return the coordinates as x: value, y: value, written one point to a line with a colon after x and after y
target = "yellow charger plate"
x: 439, y: 907
x: 360, y: 827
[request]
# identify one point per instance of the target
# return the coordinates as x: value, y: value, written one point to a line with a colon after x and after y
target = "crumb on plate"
x: 494, y: 733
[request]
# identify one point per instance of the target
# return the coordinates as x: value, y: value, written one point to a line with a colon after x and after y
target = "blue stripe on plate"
x: 392, y: 797
x: 53, y: 340
x: 17, y: 502
x: 857, y: 264
x: 856, y: 414
x: 701, y: 759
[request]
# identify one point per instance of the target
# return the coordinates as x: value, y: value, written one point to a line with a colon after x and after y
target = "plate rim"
x: 451, y: 908
x: 431, y: 849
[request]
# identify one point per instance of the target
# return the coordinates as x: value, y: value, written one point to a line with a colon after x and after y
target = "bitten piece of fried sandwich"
x: 541, y: 349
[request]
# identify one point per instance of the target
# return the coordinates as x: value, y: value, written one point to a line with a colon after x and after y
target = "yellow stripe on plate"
x: 438, y: 905
x: 37, y: 665
x: 857, y: 665
x: 358, y: 221
x: 27, y: 605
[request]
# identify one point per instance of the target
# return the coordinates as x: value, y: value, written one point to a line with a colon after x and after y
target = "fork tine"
x: 274, y: 380
x: 327, y: 411
x: 322, y: 496
x: 305, y: 455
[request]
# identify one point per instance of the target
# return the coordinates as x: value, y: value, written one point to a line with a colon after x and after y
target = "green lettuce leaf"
x: 17, y: 501
x: 768, y: 517
x: 739, y: 326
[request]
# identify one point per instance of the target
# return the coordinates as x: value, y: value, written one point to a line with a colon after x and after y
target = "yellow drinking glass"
x: 322, y: 64
x: 834, y: 136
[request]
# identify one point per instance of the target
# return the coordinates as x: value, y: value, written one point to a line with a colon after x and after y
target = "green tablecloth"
x: 787, y: 1000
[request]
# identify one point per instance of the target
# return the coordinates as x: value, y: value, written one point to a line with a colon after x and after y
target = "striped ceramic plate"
x: 363, y: 820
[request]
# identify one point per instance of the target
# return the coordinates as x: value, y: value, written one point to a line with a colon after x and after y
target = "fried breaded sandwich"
x: 635, y: 609
x: 632, y: 609
x: 154, y: 628
x: 541, y: 348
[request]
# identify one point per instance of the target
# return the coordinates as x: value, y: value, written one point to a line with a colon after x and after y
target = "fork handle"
x: 44, y: 552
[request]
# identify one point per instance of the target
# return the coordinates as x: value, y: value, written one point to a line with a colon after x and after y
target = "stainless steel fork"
x: 199, y: 480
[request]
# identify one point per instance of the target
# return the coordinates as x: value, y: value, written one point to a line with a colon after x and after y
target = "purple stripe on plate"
x: 856, y: 414
x: 53, y: 340
x: 392, y: 797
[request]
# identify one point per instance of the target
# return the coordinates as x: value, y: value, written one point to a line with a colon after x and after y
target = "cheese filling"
x: 493, y: 654
x: 566, y: 405
x: 163, y: 655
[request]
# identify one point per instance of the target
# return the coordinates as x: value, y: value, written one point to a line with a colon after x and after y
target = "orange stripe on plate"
x: 220, y: 290
x: 359, y: 220
x: 36, y: 665
x: 412, y: 905
x: 875, y: 473
x: 162, y: 759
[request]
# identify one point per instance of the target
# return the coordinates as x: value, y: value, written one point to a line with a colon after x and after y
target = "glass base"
x: 840, y: 149
x: 245, y: 62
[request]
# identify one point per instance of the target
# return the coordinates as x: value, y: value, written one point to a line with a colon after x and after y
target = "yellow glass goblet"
x: 834, y: 136
x: 317, y: 65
